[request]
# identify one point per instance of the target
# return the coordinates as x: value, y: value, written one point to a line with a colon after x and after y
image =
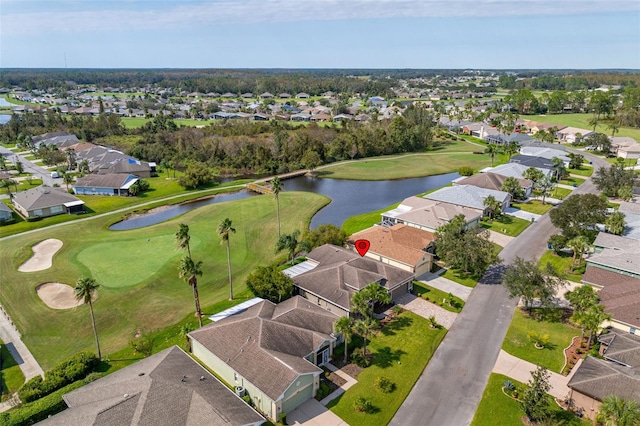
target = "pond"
x: 4, y: 118
x: 348, y: 198
x: 5, y: 103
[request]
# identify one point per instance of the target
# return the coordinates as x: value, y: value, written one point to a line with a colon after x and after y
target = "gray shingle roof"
x: 467, y: 195
x: 266, y: 343
x: 598, y: 379
x: 164, y: 389
x: 622, y: 347
x: 43, y: 197
x: 619, y: 252
x: 491, y: 180
x: 110, y: 180
x: 341, y: 272
x: 514, y: 170
x: 529, y: 161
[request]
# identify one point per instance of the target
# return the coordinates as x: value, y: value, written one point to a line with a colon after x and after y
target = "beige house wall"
x: 323, y: 303
x: 588, y: 404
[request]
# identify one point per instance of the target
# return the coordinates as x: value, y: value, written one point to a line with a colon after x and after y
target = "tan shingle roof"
x: 620, y: 294
x: 490, y: 180
x: 266, y: 343
x: 43, y: 197
x: 399, y: 242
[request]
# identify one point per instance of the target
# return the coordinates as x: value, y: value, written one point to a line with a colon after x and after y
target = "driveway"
x: 446, y: 285
x: 426, y: 309
x: 512, y: 211
x: 313, y: 413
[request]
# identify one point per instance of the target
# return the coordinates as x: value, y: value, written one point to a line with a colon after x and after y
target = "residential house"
x: 571, y: 134
x: 544, y: 152
x: 331, y: 275
x: 625, y: 147
x: 429, y: 215
x: 266, y: 95
x: 517, y: 137
x: 535, y: 126
x: 302, y: 95
x: 615, y: 253
x: 515, y: 170
x: 284, y: 96
x: 105, y: 184
x: 44, y: 201
x: 342, y: 117
x: 402, y: 246
x: 616, y: 374
x: 273, y: 352
x: 631, y: 212
x: 490, y: 180
x: 470, y: 196
x: 537, y: 162
x: 5, y: 212
x: 128, y: 165
x: 165, y: 389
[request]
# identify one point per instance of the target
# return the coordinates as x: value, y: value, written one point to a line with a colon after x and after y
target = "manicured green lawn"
x: 533, y: 206
x: 437, y: 296
x: 364, y: 220
x: 137, y: 122
x: 562, y: 263
x: 517, y: 342
x: 572, y: 181
x: 400, y: 352
x: 582, y: 171
x: 460, y: 278
x: 160, y: 298
x: 507, y: 225
x: 582, y: 121
x: 560, y: 193
x: 496, y: 408
x: 442, y: 159
x: 11, y: 377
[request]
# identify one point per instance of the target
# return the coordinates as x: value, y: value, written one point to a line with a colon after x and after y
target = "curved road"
x: 452, y: 384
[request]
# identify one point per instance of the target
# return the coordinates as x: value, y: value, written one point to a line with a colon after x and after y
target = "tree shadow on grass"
x: 396, y: 324
x: 386, y: 357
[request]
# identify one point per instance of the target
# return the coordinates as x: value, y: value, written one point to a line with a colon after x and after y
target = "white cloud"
x: 145, y: 15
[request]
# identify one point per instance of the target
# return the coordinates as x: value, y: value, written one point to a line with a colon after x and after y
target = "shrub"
x: 247, y: 399
x: 68, y: 371
x: 363, y: 405
x: 465, y: 171
x: 385, y: 385
x: 282, y: 418
x: 323, y: 390
x: 358, y: 358
x: 398, y: 309
x: 509, y: 386
x: 92, y: 377
x: 143, y: 345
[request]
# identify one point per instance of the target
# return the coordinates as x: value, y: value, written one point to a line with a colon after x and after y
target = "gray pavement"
x: 425, y: 309
x: 29, y: 167
x: 21, y: 354
x: 452, y: 384
x: 512, y: 211
x: 446, y: 285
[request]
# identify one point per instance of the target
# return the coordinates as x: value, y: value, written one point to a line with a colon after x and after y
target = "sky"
x: 479, y: 34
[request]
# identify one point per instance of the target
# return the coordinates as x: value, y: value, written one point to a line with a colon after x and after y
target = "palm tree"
x: 85, y: 290
x: 578, y: 245
x: 592, y: 320
x: 559, y: 168
x: 364, y: 300
x: 183, y: 238
x: 365, y: 327
x: 492, y: 150
x: 594, y: 121
x: 616, y: 411
x: 289, y: 242
x: 615, y: 223
x: 344, y: 326
x: 613, y: 126
x: 492, y: 205
x: 189, y: 270
x: 511, y: 148
x: 224, y: 229
x: 276, y: 187
x: 67, y: 178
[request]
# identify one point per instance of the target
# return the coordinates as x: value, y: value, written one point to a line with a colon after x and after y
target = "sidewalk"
x: 342, y: 389
x: 425, y: 309
x: 520, y: 370
x: 446, y: 285
x: 23, y: 357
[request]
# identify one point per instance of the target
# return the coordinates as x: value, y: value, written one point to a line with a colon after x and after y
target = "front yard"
x: 572, y: 181
x: 496, y: 408
x: 438, y: 297
x: 518, y: 344
x: 562, y: 263
x: 533, y: 206
x: 507, y: 225
x: 400, y: 350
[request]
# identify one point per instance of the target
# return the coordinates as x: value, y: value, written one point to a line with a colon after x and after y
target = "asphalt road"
x: 452, y: 384
x: 29, y: 167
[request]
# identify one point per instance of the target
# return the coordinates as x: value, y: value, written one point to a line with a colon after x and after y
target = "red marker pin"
x: 362, y: 246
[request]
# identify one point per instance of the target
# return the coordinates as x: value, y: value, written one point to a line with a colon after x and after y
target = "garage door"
x: 301, y: 396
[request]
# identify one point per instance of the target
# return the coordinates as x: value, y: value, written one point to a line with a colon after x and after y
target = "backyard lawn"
x: 562, y: 263
x: 364, y: 220
x: 437, y: 296
x: 507, y: 225
x: 533, y: 206
x: 496, y: 408
x: 140, y: 288
x: 400, y: 352
x: 517, y: 342
x: 11, y: 377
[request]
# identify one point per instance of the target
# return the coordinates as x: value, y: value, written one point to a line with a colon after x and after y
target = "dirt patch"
x: 42, y: 256
x: 58, y: 296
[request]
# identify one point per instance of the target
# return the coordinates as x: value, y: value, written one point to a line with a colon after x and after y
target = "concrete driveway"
x: 313, y: 413
x: 446, y: 285
x: 512, y: 211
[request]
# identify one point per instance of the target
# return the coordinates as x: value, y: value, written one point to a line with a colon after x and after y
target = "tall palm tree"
x: 578, y: 245
x: 365, y: 327
x: 67, y: 178
x: 344, y: 326
x: 224, y: 229
x: 492, y: 205
x: 511, y: 148
x: 613, y: 126
x: 85, y: 290
x: 276, y: 187
x: 288, y: 242
x: 364, y: 300
x: 183, y: 238
x: 616, y: 411
x: 189, y: 271
x: 545, y: 185
x: 492, y: 150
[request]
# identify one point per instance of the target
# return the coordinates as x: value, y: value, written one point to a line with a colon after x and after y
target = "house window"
x: 235, y: 377
x: 632, y: 330
x: 37, y: 212
x: 57, y: 209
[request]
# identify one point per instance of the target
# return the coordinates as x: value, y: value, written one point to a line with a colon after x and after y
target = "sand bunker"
x: 42, y: 254
x: 58, y: 296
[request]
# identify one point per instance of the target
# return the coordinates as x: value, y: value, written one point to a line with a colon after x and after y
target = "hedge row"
x: 68, y: 371
x: 37, y: 411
